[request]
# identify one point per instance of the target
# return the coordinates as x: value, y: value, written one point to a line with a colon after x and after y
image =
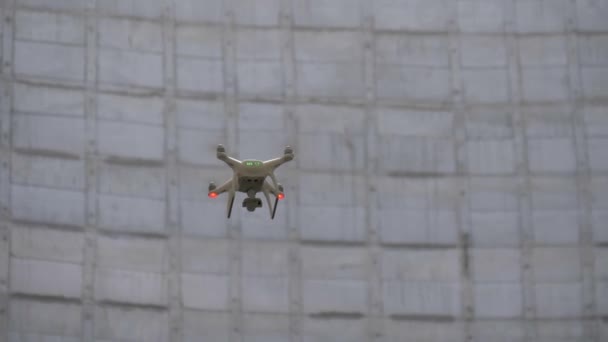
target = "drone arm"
x: 232, y: 162
x: 223, y: 188
x: 272, y: 164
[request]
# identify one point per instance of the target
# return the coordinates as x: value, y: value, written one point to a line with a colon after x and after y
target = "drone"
x: 249, y: 176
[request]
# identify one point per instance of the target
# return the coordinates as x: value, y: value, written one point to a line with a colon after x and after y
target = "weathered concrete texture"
x: 450, y: 180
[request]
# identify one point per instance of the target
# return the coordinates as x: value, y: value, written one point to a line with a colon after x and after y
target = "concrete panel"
x: 486, y: 123
x: 429, y: 124
x: 265, y: 294
x: 47, y: 100
x: 47, y: 171
x: 33, y: 58
x: 258, y: 13
x: 556, y: 227
x: 496, y: 265
x: 54, y: 5
x: 493, y: 194
x: 497, y: 331
x: 49, y: 27
x: 553, y: 193
x: 495, y: 229
x: 47, y: 205
x: 337, y: 262
x: 331, y: 152
x: 330, y: 223
x: 201, y: 218
x: 137, y: 325
x: 199, y: 11
x: 256, y: 225
x: 264, y: 44
x: 421, y: 298
x: 592, y: 15
x: 545, y: 84
x: 322, y: 47
x: 599, y: 191
x: 190, y: 71
x: 412, y: 83
x: 261, y: 117
x: 136, y: 35
x: 551, y: 155
x: 476, y: 88
x: 44, y: 321
x: 417, y: 193
x: 196, y: 41
x: 338, y: 330
x: 498, y: 300
x: 329, y: 79
x: 601, y: 295
x: 491, y: 157
x: 143, y: 110
x: 198, y: 146
x: 412, y: 50
x: 565, y: 330
x: 481, y: 15
x: 595, y: 82
x: 418, y: 226
x: 398, y: 331
x: 136, y: 254
x: 265, y: 259
x: 205, y: 255
x: 329, y: 189
x: 201, y: 114
x: 556, y: 264
x: 212, y: 326
x: 138, y: 8
x: 593, y: 50
x: 548, y: 121
x: 140, y: 181
x: 417, y: 155
x: 482, y: 52
x: 540, y: 16
x: 598, y: 154
x: 411, y: 15
x: 47, y: 244
x: 543, y: 51
x: 45, y: 278
x: 263, y: 144
x: 49, y: 133
x: 131, y: 214
x: 125, y: 67
x: 421, y: 265
x: 327, y: 13
x: 260, y: 77
x: 598, y: 220
x: 131, y: 140
x: 265, y: 328
x: 205, y: 291
x: 558, y: 300
x: 130, y: 287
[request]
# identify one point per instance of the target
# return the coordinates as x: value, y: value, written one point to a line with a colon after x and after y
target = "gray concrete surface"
x: 450, y: 181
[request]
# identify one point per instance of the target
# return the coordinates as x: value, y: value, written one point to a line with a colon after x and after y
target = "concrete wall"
x: 450, y: 180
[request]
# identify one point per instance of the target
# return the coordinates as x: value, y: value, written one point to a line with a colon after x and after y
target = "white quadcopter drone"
x: 250, y: 177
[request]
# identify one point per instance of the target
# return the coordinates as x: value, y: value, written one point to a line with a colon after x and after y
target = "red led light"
x: 281, y: 195
x: 212, y: 194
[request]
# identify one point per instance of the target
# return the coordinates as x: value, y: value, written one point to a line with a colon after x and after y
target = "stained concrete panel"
x: 205, y: 291
x: 32, y: 320
x: 481, y: 15
x: 431, y: 226
x: 198, y: 325
x: 47, y: 171
x: 197, y: 114
x: 594, y: 50
x: 598, y: 154
x: 327, y: 13
x: 143, y: 110
x: 491, y: 157
x: 265, y: 328
x: 498, y: 331
x: 412, y: 50
x: 205, y: 11
x: 350, y: 228
x: 130, y: 214
x: 135, y: 35
x: 136, y: 181
x: 591, y: 15
x: 151, y: 9
x: 49, y: 27
x: 49, y: 133
x: 338, y: 330
x: 411, y: 15
x: 127, y: 67
x: 428, y: 331
x: 47, y: 100
x: 417, y: 155
x: 595, y: 82
x: 599, y: 191
x: 495, y: 229
x: 558, y: 300
x: 138, y: 254
x: 322, y: 190
x: 498, y: 300
x: 260, y: 78
x: 205, y: 255
x: 545, y: 84
x: 486, y: 123
x: 45, y: 278
x: 539, y: 50
x: 258, y: 13
x: 61, y: 207
x: 480, y: 51
x: 556, y: 264
x: 407, y: 83
x: 475, y: 90
x: 540, y: 16
x: 130, y: 287
x: 42, y: 243
x: 32, y: 59
x: 557, y: 227
x: 329, y: 79
x: 566, y: 330
x: 74, y: 5
x: 265, y: 294
x: 551, y: 155
x: 116, y: 324
x: 196, y: 41
x: 496, y: 265
x: 190, y: 71
x: 421, y: 298
x: 127, y: 140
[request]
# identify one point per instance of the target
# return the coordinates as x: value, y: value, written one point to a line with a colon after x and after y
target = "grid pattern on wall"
x: 450, y: 180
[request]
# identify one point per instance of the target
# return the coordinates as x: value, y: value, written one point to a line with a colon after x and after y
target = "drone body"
x: 249, y: 176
